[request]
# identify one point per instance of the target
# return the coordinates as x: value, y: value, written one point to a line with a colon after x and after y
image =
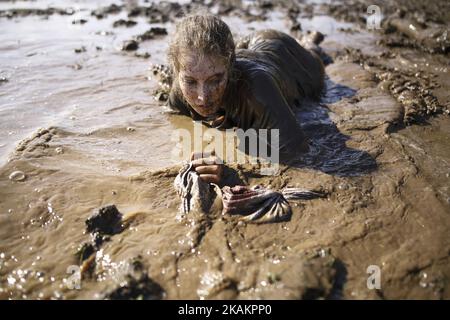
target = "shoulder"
x: 254, y: 39
x: 258, y: 80
x: 250, y: 69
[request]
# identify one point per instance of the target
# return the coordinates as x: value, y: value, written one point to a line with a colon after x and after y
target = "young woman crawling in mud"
x: 256, y: 83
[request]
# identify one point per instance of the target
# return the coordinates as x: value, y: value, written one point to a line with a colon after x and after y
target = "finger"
x: 199, y: 155
x: 210, y: 178
x: 207, y: 161
x: 211, y: 169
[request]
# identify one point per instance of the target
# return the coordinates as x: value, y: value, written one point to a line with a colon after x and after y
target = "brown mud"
x: 379, y: 152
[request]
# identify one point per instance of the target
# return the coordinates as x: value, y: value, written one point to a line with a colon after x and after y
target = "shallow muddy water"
x: 79, y: 131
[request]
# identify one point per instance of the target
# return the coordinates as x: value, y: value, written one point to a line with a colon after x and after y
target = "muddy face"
x: 203, y: 80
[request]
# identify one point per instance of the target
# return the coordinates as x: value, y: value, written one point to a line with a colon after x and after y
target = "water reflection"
x: 328, y: 151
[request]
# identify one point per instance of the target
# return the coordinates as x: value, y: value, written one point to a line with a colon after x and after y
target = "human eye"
x: 216, y: 80
x: 189, y: 82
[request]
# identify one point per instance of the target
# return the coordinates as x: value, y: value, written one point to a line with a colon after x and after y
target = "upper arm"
x: 271, y: 111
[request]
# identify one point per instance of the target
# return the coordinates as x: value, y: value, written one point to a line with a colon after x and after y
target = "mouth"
x: 205, y: 109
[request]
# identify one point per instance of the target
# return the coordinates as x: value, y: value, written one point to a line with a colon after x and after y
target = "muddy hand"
x: 208, y: 166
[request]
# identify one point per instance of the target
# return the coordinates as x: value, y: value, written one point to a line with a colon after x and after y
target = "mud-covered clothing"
x: 271, y: 76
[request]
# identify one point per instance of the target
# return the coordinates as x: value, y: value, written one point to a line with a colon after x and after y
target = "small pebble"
x: 17, y: 176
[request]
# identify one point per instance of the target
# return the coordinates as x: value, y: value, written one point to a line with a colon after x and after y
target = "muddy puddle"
x: 81, y: 129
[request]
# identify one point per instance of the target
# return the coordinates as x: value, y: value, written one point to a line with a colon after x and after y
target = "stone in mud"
x: 130, y: 45
x: 124, y: 23
x: 3, y: 79
x: 107, y: 220
x: 152, y: 33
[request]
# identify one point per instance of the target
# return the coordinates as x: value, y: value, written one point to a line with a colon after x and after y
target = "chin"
x: 206, y: 113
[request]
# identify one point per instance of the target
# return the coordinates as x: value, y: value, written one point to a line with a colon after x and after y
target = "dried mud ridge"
x: 412, y: 89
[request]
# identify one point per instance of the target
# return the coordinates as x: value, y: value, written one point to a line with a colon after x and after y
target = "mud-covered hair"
x: 205, y: 33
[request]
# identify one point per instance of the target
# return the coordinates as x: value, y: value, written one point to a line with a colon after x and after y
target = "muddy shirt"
x: 271, y: 76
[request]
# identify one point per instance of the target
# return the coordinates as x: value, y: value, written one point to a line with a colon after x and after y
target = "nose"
x: 202, y: 94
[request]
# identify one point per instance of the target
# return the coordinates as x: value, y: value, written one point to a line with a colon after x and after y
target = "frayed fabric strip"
x: 254, y: 204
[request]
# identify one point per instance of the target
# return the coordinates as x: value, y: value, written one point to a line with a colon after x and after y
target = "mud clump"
x: 405, y: 24
x: 164, y: 75
x: 144, y: 55
x: 80, y: 50
x: 38, y: 141
x: 417, y: 100
x: 356, y: 15
x: 130, y: 45
x: 85, y: 251
x: 79, y: 21
x: 124, y: 23
x: 404, y: 33
x: 160, y: 12
x: 14, y: 13
x: 103, y: 12
x: 105, y: 221
x: 152, y: 33
x: 413, y: 89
